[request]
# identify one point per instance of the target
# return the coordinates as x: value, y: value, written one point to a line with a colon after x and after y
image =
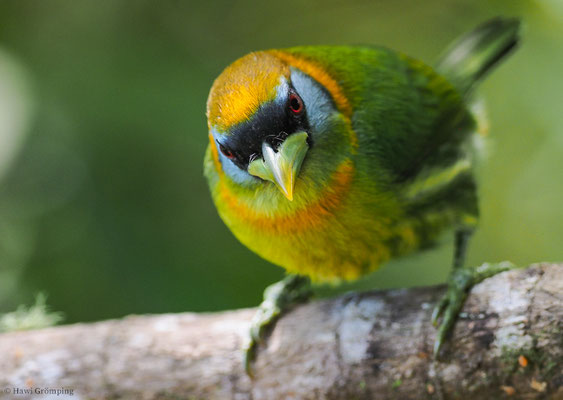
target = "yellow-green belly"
x: 344, y: 234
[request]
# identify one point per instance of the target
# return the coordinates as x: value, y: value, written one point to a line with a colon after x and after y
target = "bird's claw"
x: 460, y: 283
x: 278, y: 298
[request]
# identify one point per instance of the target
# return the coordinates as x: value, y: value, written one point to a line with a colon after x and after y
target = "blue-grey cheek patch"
x: 218, y: 136
x: 229, y: 168
x: 282, y: 90
x: 317, y: 101
x: 235, y: 173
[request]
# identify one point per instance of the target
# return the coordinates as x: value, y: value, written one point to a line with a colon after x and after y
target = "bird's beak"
x: 282, y: 167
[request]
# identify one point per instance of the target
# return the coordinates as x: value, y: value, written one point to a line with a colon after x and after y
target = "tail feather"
x: 474, y: 54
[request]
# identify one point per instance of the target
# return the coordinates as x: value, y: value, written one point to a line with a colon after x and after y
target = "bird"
x: 330, y: 161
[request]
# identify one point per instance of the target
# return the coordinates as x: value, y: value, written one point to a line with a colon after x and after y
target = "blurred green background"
x: 102, y: 133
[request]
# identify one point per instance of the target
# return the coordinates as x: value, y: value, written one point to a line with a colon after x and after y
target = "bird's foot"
x: 460, y: 283
x: 278, y: 298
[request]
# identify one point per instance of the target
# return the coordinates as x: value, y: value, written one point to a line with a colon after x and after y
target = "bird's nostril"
x: 276, y: 140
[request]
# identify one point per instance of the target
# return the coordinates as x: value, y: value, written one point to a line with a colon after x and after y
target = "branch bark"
x: 377, y: 345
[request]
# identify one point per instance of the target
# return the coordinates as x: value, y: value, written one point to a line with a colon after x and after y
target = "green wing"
x: 406, y: 116
x: 410, y: 118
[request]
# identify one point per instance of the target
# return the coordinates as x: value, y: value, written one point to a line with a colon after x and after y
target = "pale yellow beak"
x: 282, y: 167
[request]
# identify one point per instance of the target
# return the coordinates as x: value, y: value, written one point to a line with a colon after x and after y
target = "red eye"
x: 226, y: 152
x: 295, y: 103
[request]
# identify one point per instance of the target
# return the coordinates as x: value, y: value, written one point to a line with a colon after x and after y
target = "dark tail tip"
x: 475, y: 54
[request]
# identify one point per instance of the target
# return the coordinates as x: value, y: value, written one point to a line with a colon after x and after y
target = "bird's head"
x: 263, y: 116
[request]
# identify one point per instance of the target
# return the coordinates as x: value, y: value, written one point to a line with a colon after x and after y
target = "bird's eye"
x: 295, y: 103
x: 226, y: 152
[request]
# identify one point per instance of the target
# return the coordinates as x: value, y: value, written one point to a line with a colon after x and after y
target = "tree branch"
x: 508, y: 343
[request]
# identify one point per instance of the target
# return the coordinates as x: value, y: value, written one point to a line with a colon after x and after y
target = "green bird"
x: 330, y: 160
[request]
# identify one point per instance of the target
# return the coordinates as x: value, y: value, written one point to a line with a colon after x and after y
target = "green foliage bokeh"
x: 102, y: 201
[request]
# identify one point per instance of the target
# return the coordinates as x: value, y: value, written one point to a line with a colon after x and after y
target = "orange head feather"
x: 242, y: 87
